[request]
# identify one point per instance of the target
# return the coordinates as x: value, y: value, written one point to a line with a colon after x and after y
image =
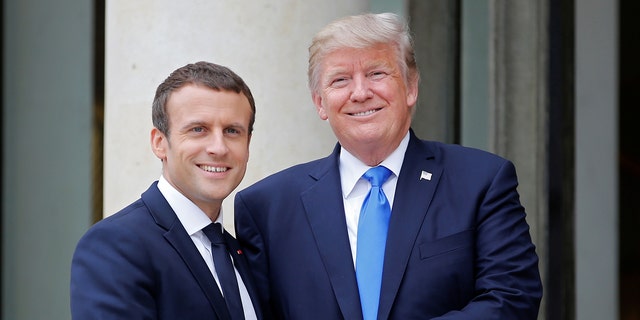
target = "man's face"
x: 206, y: 153
x: 365, y: 97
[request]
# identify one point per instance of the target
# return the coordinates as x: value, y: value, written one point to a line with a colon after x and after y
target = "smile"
x: 213, y: 169
x: 366, y: 113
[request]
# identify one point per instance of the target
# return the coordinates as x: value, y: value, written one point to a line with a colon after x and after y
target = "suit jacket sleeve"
x: 507, y: 281
x: 110, y: 277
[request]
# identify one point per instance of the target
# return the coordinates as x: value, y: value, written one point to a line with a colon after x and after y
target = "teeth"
x: 213, y: 169
x: 366, y: 113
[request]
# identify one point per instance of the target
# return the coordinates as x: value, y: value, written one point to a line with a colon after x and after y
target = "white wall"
x: 264, y: 42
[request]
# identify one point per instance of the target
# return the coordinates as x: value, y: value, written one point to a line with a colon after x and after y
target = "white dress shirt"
x: 355, y: 187
x: 193, y: 220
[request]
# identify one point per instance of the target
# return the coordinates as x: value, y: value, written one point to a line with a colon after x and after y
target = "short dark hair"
x: 209, y: 74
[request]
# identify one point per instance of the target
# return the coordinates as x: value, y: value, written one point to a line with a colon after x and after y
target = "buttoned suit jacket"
x: 140, y: 263
x: 458, y: 244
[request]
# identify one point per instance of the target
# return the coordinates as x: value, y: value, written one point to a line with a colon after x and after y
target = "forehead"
x: 196, y: 101
x: 378, y: 55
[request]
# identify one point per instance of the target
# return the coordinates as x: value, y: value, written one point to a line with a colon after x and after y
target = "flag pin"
x: 425, y: 175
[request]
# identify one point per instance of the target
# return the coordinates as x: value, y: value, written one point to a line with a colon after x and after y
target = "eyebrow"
x: 334, y: 72
x: 192, y: 124
x: 237, y: 125
x: 380, y: 63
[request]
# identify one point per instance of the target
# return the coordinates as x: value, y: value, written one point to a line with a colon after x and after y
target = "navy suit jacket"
x: 458, y: 245
x: 140, y: 263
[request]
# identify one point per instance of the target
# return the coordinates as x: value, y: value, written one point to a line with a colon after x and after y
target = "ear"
x: 412, y: 92
x: 159, y: 144
x: 248, y: 144
x: 317, y: 100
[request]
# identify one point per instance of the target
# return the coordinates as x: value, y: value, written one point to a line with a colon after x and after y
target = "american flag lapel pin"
x: 239, y: 251
x: 425, y: 175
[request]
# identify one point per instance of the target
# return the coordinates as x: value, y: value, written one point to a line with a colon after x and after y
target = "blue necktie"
x: 372, y: 239
x: 224, y: 269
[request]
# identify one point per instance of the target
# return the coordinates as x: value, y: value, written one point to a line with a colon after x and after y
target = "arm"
x: 110, y: 276
x: 507, y: 282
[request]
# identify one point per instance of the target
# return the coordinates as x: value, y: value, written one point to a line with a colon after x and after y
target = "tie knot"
x: 377, y: 175
x: 214, y: 233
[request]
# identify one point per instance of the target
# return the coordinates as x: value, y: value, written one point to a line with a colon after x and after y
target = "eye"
x: 197, y: 129
x: 233, y: 131
x: 339, y: 82
x: 376, y: 75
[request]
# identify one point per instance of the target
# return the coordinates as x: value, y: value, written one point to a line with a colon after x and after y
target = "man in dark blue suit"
x: 162, y: 256
x: 455, y: 245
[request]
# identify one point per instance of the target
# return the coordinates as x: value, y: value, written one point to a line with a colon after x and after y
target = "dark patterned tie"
x: 372, y: 239
x: 224, y: 269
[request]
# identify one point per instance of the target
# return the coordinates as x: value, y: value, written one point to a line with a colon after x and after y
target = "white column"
x: 265, y: 42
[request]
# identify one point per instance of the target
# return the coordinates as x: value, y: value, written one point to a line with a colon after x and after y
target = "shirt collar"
x: 352, y: 169
x: 192, y: 218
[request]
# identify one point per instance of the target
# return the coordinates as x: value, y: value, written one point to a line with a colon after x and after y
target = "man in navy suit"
x: 155, y: 258
x: 457, y: 244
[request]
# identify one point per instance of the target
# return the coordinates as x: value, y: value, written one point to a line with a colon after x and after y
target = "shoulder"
x: 460, y: 162
x: 457, y: 150
x: 126, y: 226
x: 136, y: 212
x: 462, y: 155
x: 122, y: 239
x: 294, y: 177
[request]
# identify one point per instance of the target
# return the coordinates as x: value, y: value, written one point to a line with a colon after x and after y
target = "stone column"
x: 264, y: 42
x: 597, y: 155
x: 518, y: 105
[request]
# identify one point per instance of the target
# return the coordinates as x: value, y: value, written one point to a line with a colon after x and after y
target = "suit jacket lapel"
x: 243, y: 269
x: 411, y: 202
x: 325, y: 212
x: 177, y: 236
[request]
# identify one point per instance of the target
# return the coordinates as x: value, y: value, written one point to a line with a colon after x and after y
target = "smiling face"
x: 205, y: 155
x: 366, y: 99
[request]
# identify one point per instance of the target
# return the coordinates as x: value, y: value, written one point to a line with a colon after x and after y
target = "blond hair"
x: 363, y: 31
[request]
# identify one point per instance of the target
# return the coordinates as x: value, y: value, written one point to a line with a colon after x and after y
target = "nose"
x: 217, y: 144
x: 361, y: 90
